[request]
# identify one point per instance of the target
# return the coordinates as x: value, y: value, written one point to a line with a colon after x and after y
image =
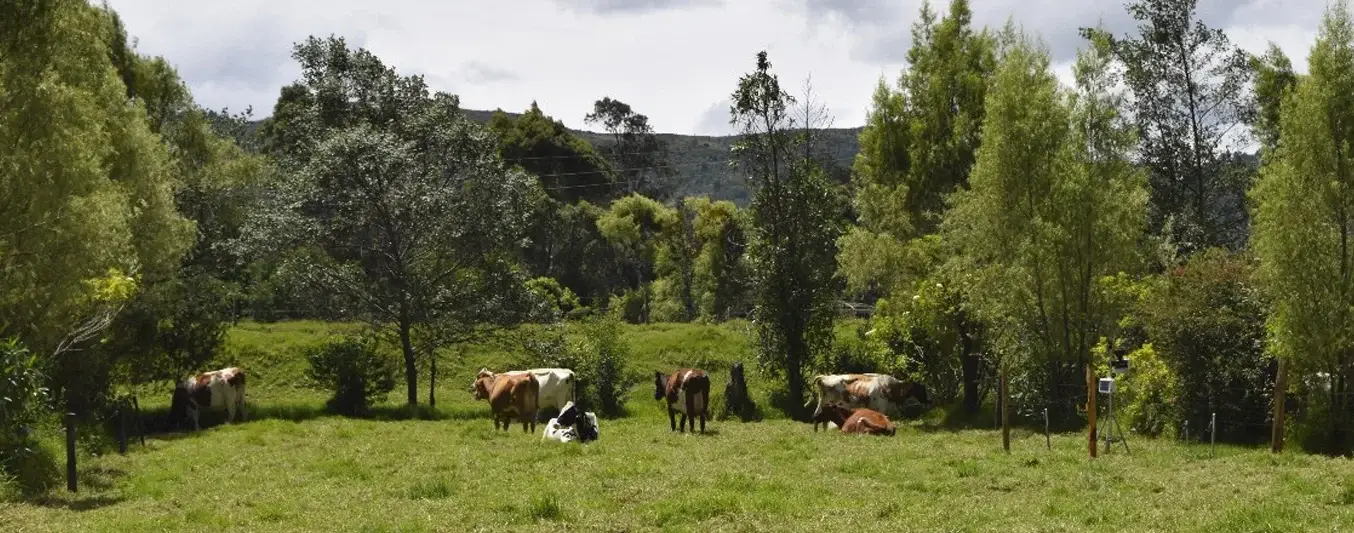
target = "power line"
x: 588, y: 185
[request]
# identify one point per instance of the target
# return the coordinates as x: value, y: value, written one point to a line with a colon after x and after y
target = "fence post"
x: 70, y: 452
x: 1005, y: 413
x: 1280, y: 387
x: 1187, y: 432
x: 122, y: 426
x: 1213, y: 435
x: 1090, y: 409
x: 1047, y: 440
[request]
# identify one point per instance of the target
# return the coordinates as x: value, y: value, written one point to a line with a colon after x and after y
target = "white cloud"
x: 674, y: 61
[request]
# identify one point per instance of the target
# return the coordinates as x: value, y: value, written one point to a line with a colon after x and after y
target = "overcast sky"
x: 674, y: 60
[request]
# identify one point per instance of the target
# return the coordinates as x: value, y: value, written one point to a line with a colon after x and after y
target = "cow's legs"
x: 672, y: 417
x: 230, y: 412
x: 192, y: 413
x: 241, y: 409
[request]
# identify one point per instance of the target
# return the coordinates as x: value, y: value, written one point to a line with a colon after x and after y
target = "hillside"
x: 701, y: 161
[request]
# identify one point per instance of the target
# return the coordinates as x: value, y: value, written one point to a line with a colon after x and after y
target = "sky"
x: 676, y: 61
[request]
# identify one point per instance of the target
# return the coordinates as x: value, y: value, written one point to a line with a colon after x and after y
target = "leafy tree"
x: 675, y: 265
x: 567, y: 245
x: 720, y: 271
x: 642, y: 159
x: 1304, y: 223
x: 568, y: 167
x: 1274, y: 79
x: 795, y: 223
x: 633, y: 226
x: 1188, y: 83
x: 413, y: 216
x: 1055, y: 204
x: 88, y: 190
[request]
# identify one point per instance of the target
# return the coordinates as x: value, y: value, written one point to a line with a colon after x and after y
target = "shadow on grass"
x: 79, y: 503
x: 157, y: 422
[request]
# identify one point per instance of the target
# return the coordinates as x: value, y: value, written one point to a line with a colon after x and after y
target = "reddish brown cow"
x: 860, y: 420
x: 688, y: 392
x: 510, y: 395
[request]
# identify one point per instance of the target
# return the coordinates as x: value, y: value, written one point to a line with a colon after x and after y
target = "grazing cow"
x: 571, y: 425
x: 509, y: 395
x: 879, y: 392
x: 865, y: 421
x: 212, y: 390
x: 557, y: 385
x: 688, y: 392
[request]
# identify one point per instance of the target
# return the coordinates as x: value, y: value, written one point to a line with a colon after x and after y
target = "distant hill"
x: 702, y: 162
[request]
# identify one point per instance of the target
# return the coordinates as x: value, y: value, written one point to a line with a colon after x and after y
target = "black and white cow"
x: 572, y: 425
x: 211, y: 390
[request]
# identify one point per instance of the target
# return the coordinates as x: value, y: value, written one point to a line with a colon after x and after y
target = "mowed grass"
x: 292, y: 468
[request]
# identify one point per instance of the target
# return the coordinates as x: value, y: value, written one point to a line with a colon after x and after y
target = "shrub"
x: 629, y: 306
x: 358, y: 373
x: 598, y: 358
x: 559, y: 300
x: 23, y: 401
x: 1145, y: 397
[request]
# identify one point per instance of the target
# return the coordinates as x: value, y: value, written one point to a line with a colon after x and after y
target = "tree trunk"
x: 432, y: 378
x: 410, y: 362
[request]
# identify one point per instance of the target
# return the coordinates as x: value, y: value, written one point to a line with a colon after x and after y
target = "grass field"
x: 292, y: 468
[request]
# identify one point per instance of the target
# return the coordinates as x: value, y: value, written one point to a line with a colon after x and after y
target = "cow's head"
x: 568, y: 415
x: 900, y: 391
x: 660, y: 385
x: 483, y: 382
x: 832, y: 412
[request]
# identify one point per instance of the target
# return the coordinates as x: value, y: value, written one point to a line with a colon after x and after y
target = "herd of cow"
x: 854, y: 403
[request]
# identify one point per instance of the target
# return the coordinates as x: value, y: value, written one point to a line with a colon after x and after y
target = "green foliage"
x: 640, y: 157
x: 720, y: 271
x: 1147, y: 397
x: 567, y: 167
x: 1054, y: 205
x: 1304, y: 221
x: 1206, y: 321
x: 1189, y: 84
x: 562, y: 301
x: 23, y: 405
x: 1274, y: 80
x: 795, y: 224
x: 634, y: 226
x: 415, y: 215
x: 596, y: 351
x: 355, y: 369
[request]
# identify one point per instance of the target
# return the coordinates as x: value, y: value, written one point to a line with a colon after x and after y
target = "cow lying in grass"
x: 572, y: 424
x: 881, y: 393
x: 861, y: 420
x: 510, y: 395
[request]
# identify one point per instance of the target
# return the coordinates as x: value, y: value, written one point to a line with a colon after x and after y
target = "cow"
x: 211, y: 390
x: 855, y: 420
x: 687, y: 392
x: 509, y: 394
x: 557, y: 385
x: 572, y: 425
x: 879, y: 392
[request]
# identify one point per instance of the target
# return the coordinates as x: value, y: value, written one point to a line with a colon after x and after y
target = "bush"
x: 23, y: 402
x: 1206, y: 320
x: 629, y: 306
x: 598, y: 358
x: 358, y: 373
x: 559, y: 300
x: 1145, y: 397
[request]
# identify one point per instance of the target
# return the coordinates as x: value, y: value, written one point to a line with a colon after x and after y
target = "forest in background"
x: 988, y: 216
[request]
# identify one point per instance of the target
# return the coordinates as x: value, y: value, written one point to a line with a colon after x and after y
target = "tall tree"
x: 568, y: 167
x: 413, y: 216
x: 1055, y: 204
x: 642, y: 159
x: 1188, y: 83
x: 794, y: 228
x: 1304, y: 222
x: 720, y: 277
x: 634, y: 225
x: 88, y: 187
x: 1274, y: 79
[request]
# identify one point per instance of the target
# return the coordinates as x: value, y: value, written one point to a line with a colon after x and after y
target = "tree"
x: 633, y: 226
x: 1274, y: 80
x: 1188, y: 83
x: 88, y: 190
x: 917, y: 147
x: 720, y: 277
x: 795, y: 223
x: 1055, y: 205
x: 1304, y: 223
x: 413, y: 216
x: 568, y: 167
x: 641, y: 157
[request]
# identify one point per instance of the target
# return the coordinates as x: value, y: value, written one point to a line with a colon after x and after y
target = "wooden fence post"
x: 1005, y: 413
x: 70, y: 452
x: 1090, y: 409
x: 1280, y: 387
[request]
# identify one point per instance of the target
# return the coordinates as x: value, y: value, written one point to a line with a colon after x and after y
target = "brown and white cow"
x: 510, y: 395
x: 861, y: 420
x: 878, y: 392
x: 213, y: 390
x: 687, y: 392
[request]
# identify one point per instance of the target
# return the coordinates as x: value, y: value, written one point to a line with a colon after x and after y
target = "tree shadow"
x: 79, y: 503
